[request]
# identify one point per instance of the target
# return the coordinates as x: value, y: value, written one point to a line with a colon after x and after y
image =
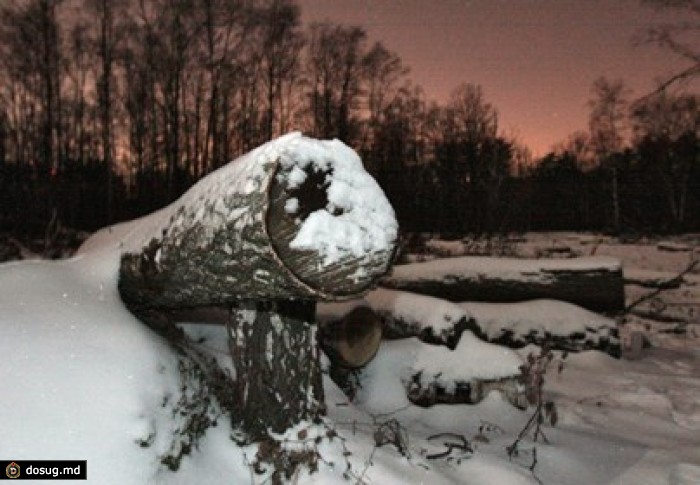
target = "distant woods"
x: 110, y: 109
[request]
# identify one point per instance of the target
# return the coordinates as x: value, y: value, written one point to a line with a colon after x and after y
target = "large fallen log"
x: 594, y: 283
x: 294, y: 217
x: 294, y: 221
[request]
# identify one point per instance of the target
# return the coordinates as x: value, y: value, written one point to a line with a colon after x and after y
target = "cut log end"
x: 290, y: 205
x: 353, y: 340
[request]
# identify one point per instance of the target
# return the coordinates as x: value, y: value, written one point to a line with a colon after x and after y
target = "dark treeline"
x: 110, y: 109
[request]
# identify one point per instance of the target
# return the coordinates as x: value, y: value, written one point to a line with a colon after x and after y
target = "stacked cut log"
x: 401, y: 315
x: 508, y: 302
x: 594, y: 283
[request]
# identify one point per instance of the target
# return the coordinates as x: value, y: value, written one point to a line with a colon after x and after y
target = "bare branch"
x: 662, y: 287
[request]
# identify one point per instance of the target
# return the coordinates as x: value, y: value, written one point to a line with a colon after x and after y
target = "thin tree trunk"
x: 106, y: 101
x: 615, y: 201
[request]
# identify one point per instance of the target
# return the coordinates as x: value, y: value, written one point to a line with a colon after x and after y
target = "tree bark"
x: 276, y: 361
x: 597, y: 287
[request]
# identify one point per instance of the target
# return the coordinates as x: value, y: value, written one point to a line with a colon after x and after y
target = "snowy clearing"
x: 83, y: 379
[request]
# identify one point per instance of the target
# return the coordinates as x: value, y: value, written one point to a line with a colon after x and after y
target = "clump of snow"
x: 358, y: 218
x: 296, y: 177
x: 291, y: 206
x: 423, y: 311
x: 536, y: 316
x: 357, y: 221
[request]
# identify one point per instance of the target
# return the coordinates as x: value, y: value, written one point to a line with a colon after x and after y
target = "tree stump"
x: 276, y: 360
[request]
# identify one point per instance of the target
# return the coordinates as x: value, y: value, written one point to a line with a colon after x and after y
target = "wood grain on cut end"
x: 349, y: 277
x: 354, y: 339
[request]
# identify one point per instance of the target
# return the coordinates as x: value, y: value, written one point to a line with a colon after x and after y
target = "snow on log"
x: 674, y: 247
x: 559, y: 325
x: 466, y: 374
x: 594, y: 283
x: 432, y: 320
x: 402, y: 315
x: 294, y: 218
x: 448, y: 373
x: 432, y: 374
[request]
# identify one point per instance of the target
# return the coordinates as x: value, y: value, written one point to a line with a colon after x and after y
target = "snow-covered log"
x: 402, y: 315
x: 559, y: 325
x: 594, y: 283
x: 294, y: 218
x: 294, y: 221
x: 434, y: 374
x: 349, y: 333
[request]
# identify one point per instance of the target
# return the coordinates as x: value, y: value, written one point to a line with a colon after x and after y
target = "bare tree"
x: 472, y: 159
x: 78, y: 75
x: 607, y: 124
x: 578, y: 144
x: 31, y: 57
x: 473, y: 118
x: 334, y: 71
x: 106, y: 45
x: 666, y: 115
x: 680, y: 37
x: 281, y: 44
x: 667, y: 130
x: 383, y: 71
x: 226, y: 29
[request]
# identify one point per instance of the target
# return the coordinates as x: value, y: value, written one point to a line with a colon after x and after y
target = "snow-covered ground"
x: 82, y: 379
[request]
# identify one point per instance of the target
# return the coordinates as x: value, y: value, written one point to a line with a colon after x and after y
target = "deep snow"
x: 83, y: 379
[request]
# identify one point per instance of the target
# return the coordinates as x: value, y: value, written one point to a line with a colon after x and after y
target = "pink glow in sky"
x: 536, y: 59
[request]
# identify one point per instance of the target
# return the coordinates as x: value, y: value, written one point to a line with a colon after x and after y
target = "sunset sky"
x: 536, y: 59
